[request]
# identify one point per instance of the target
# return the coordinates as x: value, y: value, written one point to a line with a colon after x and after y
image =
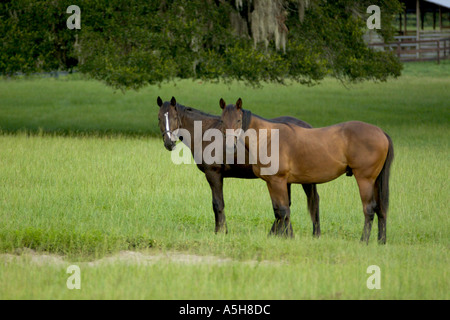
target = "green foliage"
x: 34, y: 37
x: 133, y: 44
x: 336, y: 46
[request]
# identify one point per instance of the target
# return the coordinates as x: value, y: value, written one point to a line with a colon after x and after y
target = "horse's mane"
x: 184, y: 109
x: 248, y: 114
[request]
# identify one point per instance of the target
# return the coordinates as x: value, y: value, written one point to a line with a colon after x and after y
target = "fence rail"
x: 418, y: 50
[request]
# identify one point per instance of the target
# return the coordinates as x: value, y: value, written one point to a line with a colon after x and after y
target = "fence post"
x: 445, y: 49
x: 438, y: 51
x: 418, y: 28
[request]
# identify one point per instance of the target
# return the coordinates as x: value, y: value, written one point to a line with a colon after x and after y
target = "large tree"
x: 130, y: 44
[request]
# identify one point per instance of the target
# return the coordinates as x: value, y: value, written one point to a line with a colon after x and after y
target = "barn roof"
x: 425, y: 5
x: 442, y: 3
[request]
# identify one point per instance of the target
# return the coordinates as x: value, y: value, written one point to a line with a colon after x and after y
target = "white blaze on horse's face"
x: 166, y: 115
x: 232, y: 136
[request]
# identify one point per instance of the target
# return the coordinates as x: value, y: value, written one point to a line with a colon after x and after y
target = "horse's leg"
x: 381, y: 216
x: 215, y: 180
x: 381, y: 226
x: 278, y: 189
x: 366, y: 191
x: 289, y: 193
x: 313, y: 206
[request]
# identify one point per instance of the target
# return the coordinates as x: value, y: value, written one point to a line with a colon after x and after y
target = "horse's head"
x: 168, y: 122
x: 231, y: 122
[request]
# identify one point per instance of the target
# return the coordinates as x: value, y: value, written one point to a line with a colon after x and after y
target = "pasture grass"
x: 84, y: 175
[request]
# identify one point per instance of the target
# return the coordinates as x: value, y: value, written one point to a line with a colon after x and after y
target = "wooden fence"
x: 417, y: 50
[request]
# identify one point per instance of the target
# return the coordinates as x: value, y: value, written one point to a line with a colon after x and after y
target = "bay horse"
x: 173, y: 116
x: 313, y: 156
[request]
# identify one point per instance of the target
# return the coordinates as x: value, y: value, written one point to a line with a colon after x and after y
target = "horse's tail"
x: 382, y: 181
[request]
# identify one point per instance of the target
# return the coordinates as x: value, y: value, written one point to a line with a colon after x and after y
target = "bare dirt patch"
x: 125, y: 257
x: 133, y: 257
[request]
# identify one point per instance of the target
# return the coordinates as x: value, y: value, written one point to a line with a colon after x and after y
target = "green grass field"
x: 85, y: 180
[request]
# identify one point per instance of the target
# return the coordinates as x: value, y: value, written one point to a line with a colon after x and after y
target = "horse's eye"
x: 239, y: 120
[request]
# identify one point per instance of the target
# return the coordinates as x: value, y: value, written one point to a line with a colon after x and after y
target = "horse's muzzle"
x: 169, y: 145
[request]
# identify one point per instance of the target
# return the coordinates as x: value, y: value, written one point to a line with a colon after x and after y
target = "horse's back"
x: 328, y: 152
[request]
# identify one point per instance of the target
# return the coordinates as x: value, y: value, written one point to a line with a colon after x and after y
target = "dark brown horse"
x: 320, y: 155
x: 173, y: 116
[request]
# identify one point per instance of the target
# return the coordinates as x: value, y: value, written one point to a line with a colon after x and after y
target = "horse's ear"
x: 222, y: 103
x: 173, y: 101
x: 159, y: 102
x: 239, y: 104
